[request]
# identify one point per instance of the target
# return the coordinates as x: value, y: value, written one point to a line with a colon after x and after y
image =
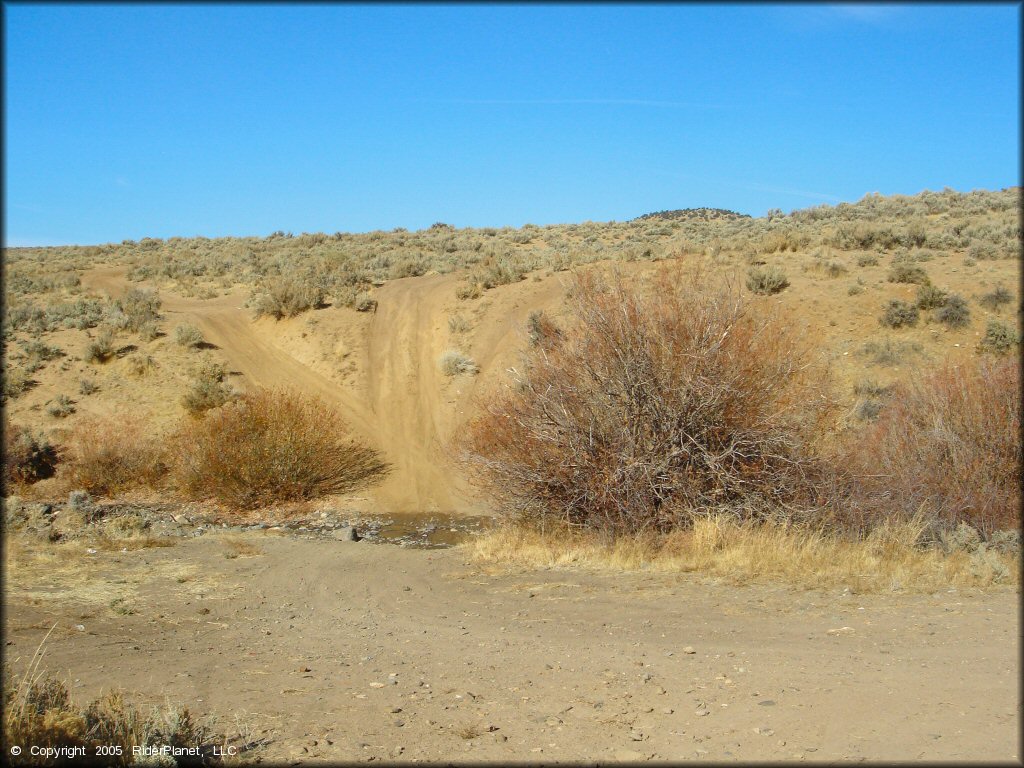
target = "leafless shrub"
x: 947, y: 446
x: 271, y: 446
x: 661, y: 402
x: 106, y: 456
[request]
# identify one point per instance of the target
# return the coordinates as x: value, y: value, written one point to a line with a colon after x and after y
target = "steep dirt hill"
x: 397, y: 398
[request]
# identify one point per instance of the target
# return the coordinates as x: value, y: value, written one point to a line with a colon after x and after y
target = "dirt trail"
x: 400, y: 411
x: 356, y: 651
x: 404, y: 386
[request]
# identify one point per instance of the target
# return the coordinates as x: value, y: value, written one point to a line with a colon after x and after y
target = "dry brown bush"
x: 28, y: 456
x: 40, y: 713
x: 947, y: 447
x: 271, y: 446
x: 661, y: 401
x: 106, y: 456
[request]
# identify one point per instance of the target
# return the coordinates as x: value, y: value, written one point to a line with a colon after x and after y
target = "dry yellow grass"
x: 890, y: 559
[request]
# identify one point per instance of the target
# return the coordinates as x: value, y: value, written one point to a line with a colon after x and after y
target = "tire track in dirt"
x: 403, y: 414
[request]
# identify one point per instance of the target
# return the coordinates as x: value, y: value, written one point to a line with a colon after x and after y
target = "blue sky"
x: 123, y: 122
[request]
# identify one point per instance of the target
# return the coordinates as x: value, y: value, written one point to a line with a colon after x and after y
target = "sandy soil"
x: 360, y: 651
x: 353, y: 651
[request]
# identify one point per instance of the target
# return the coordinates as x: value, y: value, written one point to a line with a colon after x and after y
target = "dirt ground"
x: 353, y: 651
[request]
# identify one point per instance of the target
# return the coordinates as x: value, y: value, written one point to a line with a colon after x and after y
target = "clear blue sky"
x: 156, y: 120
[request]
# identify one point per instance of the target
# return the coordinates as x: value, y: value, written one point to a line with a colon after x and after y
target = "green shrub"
x: 930, y: 297
x: 867, y: 260
x: 467, y: 291
x: 996, y: 298
x: 999, y: 338
x: 60, y: 407
x: 17, y: 381
x: 100, y: 349
x: 889, y: 352
x: 898, y: 314
x: 954, y: 312
x: 983, y: 252
x: 454, y: 362
x: 137, y: 311
x: 904, y: 272
x: 766, y: 280
x: 88, y: 387
x: 207, y: 389
x: 187, y: 335
x: 458, y: 324
x: 364, y: 302
x: 288, y: 296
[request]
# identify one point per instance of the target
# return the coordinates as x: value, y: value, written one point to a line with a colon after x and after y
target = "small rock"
x: 841, y: 631
x: 376, y: 685
x: 667, y: 711
x: 701, y: 712
x: 347, y: 533
x: 766, y: 703
x: 636, y: 735
x: 689, y: 650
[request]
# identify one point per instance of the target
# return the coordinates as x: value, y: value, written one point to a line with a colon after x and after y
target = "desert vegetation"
x: 39, y: 711
x: 671, y: 402
x: 289, y: 274
x: 597, y: 432
x: 270, y: 446
x: 261, y: 448
x: 659, y: 403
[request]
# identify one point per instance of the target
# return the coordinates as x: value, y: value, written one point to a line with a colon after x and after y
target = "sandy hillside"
x: 380, y: 369
x: 334, y: 650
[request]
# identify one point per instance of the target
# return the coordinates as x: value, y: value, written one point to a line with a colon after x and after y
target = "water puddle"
x: 420, y: 530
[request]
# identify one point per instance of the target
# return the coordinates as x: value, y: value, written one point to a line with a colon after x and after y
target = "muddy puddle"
x: 422, y: 530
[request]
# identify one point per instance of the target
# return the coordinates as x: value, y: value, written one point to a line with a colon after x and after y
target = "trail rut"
x: 399, y: 410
